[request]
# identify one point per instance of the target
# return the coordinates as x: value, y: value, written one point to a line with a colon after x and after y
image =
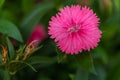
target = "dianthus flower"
x: 75, y: 29
x: 38, y: 34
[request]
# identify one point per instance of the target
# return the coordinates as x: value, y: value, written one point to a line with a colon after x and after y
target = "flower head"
x: 75, y: 29
x: 37, y: 35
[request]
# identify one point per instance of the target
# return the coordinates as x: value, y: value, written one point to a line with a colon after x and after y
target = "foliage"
x: 19, y: 17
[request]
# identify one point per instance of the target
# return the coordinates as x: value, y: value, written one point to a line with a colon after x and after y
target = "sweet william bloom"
x: 37, y: 35
x: 75, y: 29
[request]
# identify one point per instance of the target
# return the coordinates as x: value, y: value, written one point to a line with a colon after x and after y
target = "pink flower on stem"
x: 75, y: 29
x: 38, y: 34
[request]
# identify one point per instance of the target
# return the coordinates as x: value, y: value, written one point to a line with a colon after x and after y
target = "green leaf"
x: 20, y: 51
x: 38, y: 48
x: 1, y: 2
x: 85, y: 62
x: 10, y: 29
x: 41, y: 60
x: 33, y: 51
x: 18, y: 65
x: 81, y: 74
x: 10, y: 48
x: 34, y: 17
x: 31, y: 67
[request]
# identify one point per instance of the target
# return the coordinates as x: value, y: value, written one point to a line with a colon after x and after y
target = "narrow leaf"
x: 10, y: 29
x: 41, y: 60
x: 11, y: 49
x: 31, y: 67
x: 20, y: 65
x: 21, y: 50
x: 38, y: 48
x: 34, y: 17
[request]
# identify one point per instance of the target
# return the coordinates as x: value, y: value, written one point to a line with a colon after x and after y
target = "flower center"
x: 73, y: 29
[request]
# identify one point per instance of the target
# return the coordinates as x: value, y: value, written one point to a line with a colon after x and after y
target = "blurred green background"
x: 106, y: 57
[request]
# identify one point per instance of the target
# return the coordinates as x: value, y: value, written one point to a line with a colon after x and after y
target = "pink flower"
x: 37, y: 35
x: 75, y: 29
